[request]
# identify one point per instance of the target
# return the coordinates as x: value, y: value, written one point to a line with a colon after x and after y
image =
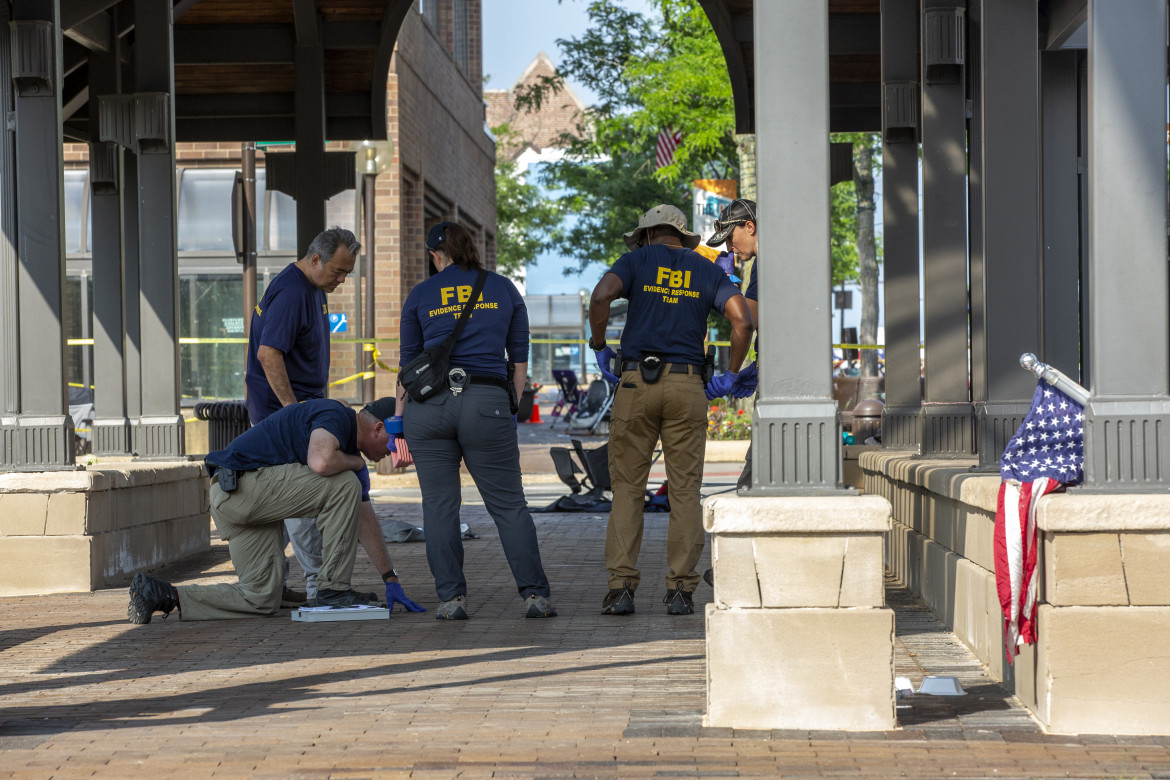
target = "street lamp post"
x: 584, y: 295
x: 372, y: 158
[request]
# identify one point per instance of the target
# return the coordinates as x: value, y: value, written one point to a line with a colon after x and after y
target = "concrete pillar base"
x: 799, y: 636
x: 995, y: 424
x: 157, y: 437
x: 111, y: 436
x: 1127, y: 445
x: 902, y: 427
x: 41, y: 443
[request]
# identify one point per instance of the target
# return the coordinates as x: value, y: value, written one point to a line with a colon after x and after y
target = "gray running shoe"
x: 539, y: 607
x: 679, y: 601
x: 455, y: 609
x: 619, y: 601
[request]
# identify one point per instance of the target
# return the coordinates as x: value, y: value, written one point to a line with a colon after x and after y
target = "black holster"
x: 651, y: 366
x: 709, y: 364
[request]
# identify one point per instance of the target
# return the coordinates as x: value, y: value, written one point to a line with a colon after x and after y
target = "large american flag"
x: 1046, y: 453
x: 668, y: 141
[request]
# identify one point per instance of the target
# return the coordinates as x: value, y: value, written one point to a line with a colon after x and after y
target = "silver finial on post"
x: 1054, y: 377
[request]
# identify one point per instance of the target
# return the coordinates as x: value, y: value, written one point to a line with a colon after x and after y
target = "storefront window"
x: 74, y: 197
x: 210, y: 308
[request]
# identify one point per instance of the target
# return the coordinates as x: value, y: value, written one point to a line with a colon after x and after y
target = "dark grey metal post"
x: 901, y: 418
x: 111, y: 426
x: 796, y: 442
x: 1005, y: 297
x: 159, y: 432
x: 44, y: 435
x: 9, y: 264
x: 131, y: 296
x: 948, y: 427
x: 309, y: 125
x: 1127, y: 421
x: 1061, y: 222
x: 248, y: 229
x: 369, y: 185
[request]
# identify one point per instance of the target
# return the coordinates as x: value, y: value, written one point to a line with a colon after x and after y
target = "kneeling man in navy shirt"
x: 305, y: 460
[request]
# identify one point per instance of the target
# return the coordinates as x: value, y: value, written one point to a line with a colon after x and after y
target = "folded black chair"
x: 587, y: 475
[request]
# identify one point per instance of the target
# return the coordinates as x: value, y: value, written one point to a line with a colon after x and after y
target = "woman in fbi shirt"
x: 474, y: 424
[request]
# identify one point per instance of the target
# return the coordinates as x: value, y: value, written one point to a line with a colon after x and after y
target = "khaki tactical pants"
x: 250, y: 520
x: 675, y: 410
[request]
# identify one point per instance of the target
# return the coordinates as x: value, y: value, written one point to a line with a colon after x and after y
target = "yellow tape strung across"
x: 185, y: 340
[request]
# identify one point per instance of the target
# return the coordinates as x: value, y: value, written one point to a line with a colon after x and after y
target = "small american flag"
x: 1047, y: 453
x: 668, y: 141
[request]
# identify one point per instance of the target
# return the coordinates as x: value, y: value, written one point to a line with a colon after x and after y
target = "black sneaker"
x: 147, y: 596
x: 344, y: 598
x: 679, y: 601
x: 619, y: 601
x: 709, y: 577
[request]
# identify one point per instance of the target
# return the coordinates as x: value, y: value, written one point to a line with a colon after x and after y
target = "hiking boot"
x: 292, y: 598
x: 455, y: 609
x: 619, y: 601
x: 539, y: 607
x: 147, y: 596
x: 344, y: 598
x: 679, y: 601
x: 709, y: 577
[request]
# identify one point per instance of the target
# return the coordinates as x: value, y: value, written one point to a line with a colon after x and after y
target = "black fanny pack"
x: 427, y: 373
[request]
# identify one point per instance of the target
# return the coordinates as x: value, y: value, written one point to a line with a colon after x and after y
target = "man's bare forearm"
x: 370, y: 536
x: 272, y: 360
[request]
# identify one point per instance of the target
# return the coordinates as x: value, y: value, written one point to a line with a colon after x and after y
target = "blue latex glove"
x: 394, y: 594
x: 721, y: 385
x: 745, y: 385
x: 363, y: 475
x: 605, y: 359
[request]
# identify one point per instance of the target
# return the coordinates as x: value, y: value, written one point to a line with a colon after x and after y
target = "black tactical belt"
x: 480, y: 379
x: 675, y: 368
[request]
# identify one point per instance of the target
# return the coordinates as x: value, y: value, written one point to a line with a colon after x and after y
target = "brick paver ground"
x: 84, y: 693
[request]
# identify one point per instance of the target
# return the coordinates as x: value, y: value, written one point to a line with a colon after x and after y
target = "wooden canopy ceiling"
x: 855, y: 54
x: 235, y: 63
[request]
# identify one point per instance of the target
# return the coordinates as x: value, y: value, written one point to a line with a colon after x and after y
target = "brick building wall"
x: 559, y: 113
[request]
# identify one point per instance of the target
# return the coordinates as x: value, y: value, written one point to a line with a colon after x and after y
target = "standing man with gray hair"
x: 288, y: 359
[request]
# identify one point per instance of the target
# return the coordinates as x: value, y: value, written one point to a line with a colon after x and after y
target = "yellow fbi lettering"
x: 671, y: 278
x: 461, y: 293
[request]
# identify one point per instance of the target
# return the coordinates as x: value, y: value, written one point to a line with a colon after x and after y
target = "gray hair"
x: 327, y: 242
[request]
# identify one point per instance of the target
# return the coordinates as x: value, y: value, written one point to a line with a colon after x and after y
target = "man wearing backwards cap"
x: 670, y: 289
x: 737, y: 228
x: 304, y: 460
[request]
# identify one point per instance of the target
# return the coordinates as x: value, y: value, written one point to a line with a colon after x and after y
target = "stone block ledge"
x: 796, y: 514
x: 101, y: 476
x: 950, y: 478
x: 1078, y: 511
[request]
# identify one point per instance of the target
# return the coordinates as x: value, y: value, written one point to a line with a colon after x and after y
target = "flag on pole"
x: 1046, y: 454
x: 668, y: 141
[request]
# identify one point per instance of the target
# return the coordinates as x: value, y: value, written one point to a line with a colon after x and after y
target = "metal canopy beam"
x: 1060, y: 20
x: 392, y: 18
x: 310, y: 124
x: 725, y: 27
x: 75, y: 12
x: 264, y: 44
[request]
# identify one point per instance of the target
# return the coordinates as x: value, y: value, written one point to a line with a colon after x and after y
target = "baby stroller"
x: 592, y: 415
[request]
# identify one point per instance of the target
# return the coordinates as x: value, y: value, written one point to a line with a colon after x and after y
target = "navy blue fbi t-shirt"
x: 283, y: 437
x: 293, y: 316
x: 498, y: 323
x: 670, y: 290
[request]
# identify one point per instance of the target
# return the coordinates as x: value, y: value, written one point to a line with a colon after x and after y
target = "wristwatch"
x: 595, y: 348
x: 388, y: 574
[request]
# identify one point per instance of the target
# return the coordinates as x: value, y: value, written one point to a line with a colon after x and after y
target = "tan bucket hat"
x: 663, y: 214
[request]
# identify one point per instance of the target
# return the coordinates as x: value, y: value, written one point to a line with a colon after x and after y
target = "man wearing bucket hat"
x: 670, y: 289
x: 737, y: 228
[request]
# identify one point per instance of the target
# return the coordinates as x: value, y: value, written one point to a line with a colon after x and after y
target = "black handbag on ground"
x: 426, y: 375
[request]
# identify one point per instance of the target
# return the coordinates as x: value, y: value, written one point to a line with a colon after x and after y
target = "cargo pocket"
x: 629, y: 404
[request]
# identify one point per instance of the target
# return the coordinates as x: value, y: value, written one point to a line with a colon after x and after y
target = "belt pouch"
x: 651, y: 366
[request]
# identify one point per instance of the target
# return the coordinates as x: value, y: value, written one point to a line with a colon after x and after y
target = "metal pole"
x: 248, y: 168
x: 368, y: 184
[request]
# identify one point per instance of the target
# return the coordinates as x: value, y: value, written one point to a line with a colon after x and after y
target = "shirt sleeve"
x: 410, y: 335
x: 623, y: 268
x: 725, y: 291
x: 282, y: 321
x: 517, y: 343
x: 753, y: 289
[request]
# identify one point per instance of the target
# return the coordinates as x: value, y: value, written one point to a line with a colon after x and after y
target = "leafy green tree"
x: 526, y: 220
x: 649, y: 72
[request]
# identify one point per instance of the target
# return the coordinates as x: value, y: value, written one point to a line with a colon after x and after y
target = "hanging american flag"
x: 1046, y: 453
x: 668, y: 141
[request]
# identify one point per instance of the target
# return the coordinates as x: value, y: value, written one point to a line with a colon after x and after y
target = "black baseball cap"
x: 383, y: 408
x: 437, y: 236
x: 735, y: 213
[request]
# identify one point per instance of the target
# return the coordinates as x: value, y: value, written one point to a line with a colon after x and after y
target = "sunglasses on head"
x: 720, y: 224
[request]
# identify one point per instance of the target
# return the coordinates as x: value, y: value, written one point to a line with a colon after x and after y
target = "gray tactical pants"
x: 476, y: 427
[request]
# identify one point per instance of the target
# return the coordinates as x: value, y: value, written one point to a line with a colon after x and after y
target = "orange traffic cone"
x: 535, y: 416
